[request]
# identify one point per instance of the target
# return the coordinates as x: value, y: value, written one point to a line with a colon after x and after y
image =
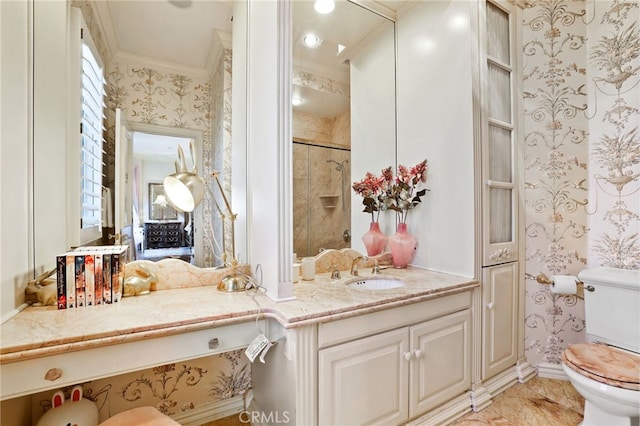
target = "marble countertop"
x: 42, y: 331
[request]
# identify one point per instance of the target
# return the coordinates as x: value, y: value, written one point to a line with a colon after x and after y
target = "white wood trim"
x: 551, y: 371
x: 501, y: 382
x: 285, y: 152
x: 305, y: 352
x: 446, y: 413
x: 210, y: 412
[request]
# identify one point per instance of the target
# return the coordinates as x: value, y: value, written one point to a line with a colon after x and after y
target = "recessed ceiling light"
x: 311, y: 40
x: 182, y: 4
x: 324, y: 6
x: 296, y: 101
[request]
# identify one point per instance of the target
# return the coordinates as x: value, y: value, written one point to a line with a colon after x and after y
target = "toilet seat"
x: 605, y: 364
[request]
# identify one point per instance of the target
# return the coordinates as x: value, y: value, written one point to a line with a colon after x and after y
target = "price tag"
x: 256, y: 346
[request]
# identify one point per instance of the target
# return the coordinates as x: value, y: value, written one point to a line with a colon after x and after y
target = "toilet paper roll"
x: 564, y: 284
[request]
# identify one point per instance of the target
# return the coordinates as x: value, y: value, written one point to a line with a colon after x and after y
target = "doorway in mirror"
x: 160, y: 231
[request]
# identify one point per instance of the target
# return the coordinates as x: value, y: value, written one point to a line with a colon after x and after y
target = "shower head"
x: 339, y: 165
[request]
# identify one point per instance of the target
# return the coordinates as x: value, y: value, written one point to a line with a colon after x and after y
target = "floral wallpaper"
x: 172, y: 388
x: 153, y: 96
x: 582, y: 155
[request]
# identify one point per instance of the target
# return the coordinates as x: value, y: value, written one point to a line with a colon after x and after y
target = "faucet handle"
x: 335, y: 272
x: 377, y: 269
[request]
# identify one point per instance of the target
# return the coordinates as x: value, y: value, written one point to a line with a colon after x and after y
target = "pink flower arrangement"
x: 373, y: 189
x: 400, y: 197
x: 384, y: 192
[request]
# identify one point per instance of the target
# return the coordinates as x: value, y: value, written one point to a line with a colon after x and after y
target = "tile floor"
x: 539, y: 402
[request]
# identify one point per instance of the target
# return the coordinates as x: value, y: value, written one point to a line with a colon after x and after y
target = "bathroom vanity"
x: 412, y: 343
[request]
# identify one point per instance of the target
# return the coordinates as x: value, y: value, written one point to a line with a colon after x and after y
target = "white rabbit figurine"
x: 74, y: 412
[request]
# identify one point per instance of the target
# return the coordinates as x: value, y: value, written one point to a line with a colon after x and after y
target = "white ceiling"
x: 159, y: 29
x: 159, y: 147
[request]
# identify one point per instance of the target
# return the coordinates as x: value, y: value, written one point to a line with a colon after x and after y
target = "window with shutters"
x: 91, y: 140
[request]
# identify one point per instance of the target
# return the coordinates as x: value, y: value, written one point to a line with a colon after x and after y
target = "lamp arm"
x: 232, y: 217
x: 222, y: 219
x: 224, y: 197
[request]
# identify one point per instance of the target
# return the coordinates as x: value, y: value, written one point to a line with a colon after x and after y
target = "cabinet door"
x: 500, y: 318
x: 364, y: 381
x: 441, y: 364
x: 500, y: 161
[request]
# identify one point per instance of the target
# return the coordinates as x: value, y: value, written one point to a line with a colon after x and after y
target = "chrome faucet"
x: 354, y: 264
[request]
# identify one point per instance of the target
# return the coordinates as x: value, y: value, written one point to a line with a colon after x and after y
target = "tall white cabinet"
x: 501, y: 193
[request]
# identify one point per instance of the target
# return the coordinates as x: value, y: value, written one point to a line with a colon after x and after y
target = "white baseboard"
x: 551, y: 371
x: 501, y: 381
x: 445, y: 414
x: 210, y: 412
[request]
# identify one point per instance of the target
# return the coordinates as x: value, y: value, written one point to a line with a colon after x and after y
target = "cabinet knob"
x: 407, y: 356
x: 490, y: 305
x: 53, y: 374
x: 417, y: 353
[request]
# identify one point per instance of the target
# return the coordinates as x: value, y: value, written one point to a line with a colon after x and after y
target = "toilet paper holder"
x: 543, y: 279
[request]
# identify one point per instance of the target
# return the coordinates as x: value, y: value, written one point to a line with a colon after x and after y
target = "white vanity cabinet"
x: 365, y: 381
x: 392, y: 376
x: 370, y: 376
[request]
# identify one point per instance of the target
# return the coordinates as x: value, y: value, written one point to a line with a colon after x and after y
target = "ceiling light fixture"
x: 324, y: 6
x: 182, y: 4
x: 311, y: 40
x: 296, y: 101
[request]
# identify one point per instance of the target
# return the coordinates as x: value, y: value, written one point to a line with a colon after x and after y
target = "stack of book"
x: 90, y: 276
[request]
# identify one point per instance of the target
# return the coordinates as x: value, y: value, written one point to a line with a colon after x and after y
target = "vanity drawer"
x: 335, y: 332
x: 28, y: 376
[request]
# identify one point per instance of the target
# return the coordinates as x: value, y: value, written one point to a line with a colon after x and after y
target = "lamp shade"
x: 160, y: 200
x: 184, y: 190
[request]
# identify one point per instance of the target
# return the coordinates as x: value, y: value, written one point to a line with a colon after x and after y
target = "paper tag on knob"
x: 256, y: 346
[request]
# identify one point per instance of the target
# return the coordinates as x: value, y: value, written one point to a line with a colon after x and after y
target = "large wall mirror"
x: 168, y: 67
x: 343, y: 118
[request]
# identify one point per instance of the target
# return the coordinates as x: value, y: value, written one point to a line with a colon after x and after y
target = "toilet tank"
x: 612, y: 306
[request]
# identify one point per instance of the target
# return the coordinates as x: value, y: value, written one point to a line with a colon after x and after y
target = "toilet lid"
x: 606, y: 364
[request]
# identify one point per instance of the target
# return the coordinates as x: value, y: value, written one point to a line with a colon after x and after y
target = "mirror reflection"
x: 164, y: 66
x: 343, y: 99
x: 160, y: 230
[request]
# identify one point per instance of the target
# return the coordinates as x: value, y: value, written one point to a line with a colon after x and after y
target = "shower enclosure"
x: 321, y: 198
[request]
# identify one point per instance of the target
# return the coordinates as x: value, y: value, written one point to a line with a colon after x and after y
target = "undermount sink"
x: 382, y: 283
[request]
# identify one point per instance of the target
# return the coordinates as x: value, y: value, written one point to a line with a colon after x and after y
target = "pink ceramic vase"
x: 374, y: 240
x: 402, y: 245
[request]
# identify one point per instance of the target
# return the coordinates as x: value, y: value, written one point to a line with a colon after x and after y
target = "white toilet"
x: 606, y: 371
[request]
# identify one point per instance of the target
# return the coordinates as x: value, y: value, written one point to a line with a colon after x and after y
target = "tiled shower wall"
x: 321, y: 198
x: 581, y: 62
